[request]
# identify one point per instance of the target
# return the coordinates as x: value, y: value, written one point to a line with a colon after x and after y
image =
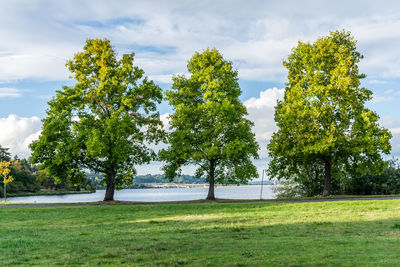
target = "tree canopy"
x: 4, y: 154
x: 103, y: 122
x: 208, y: 127
x: 323, y: 123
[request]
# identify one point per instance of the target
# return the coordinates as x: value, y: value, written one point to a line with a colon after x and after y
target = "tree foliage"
x: 4, y: 154
x: 5, y: 174
x: 208, y: 127
x: 103, y: 122
x: 324, y: 126
x: 385, y: 183
x: 24, y: 177
x: 27, y: 180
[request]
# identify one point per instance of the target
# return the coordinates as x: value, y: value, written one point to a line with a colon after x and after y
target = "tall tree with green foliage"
x: 208, y: 127
x: 323, y: 122
x: 103, y: 122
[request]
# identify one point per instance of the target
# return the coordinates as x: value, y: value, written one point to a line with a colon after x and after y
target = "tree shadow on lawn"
x: 361, y: 243
x: 212, y: 241
x: 196, y: 209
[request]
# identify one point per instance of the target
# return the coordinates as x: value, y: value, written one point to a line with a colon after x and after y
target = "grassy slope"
x: 358, y: 233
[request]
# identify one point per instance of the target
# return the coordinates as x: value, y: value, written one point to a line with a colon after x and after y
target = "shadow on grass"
x: 307, y: 234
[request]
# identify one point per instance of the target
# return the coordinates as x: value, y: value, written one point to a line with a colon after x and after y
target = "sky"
x: 38, y: 37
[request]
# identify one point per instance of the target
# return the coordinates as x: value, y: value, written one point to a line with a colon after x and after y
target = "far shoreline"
x: 48, y: 193
x: 140, y: 186
x: 175, y: 185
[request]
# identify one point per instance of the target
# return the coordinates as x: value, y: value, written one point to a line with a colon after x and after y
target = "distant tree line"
x: 161, y: 178
x: 29, y: 179
x: 138, y: 181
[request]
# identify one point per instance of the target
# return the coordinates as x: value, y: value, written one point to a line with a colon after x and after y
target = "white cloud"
x: 256, y: 35
x: 395, y: 131
x: 162, y: 78
x: 9, y: 92
x: 18, y: 132
x: 261, y: 111
x: 165, y: 120
x: 393, y: 124
x: 395, y: 141
x: 377, y: 81
x: 267, y: 99
x: 41, y: 35
x: 23, y: 66
x: 382, y: 99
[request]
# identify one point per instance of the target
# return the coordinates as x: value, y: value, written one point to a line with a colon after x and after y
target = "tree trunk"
x: 5, y: 192
x: 211, y: 195
x: 327, y: 185
x: 110, y: 187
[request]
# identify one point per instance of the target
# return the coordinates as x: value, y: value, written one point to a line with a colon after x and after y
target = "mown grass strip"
x: 359, y: 233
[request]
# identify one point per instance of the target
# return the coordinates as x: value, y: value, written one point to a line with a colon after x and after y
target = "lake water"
x: 155, y: 195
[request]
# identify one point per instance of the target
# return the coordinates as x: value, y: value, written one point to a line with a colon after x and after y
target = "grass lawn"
x: 344, y: 233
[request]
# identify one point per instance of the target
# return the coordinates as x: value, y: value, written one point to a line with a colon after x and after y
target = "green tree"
x: 323, y: 122
x: 4, y: 172
x: 4, y: 154
x: 208, y: 127
x: 103, y: 122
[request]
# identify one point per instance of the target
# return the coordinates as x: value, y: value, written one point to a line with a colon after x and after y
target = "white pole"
x: 262, y: 183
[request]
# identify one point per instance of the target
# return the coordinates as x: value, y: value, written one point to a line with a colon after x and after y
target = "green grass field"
x: 345, y: 233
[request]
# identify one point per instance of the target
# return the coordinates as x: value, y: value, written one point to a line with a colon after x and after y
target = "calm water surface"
x: 155, y: 195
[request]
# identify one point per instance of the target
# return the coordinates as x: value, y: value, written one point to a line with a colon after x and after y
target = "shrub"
x: 388, y: 182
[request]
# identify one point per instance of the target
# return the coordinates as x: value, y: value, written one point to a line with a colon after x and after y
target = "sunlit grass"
x: 359, y: 233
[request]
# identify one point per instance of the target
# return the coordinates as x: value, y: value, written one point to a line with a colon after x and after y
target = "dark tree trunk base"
x: 110, y: 189
x: 327, y: 184
x: 109, y: 198
x: 211, y: 195
x: 210, y: 198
